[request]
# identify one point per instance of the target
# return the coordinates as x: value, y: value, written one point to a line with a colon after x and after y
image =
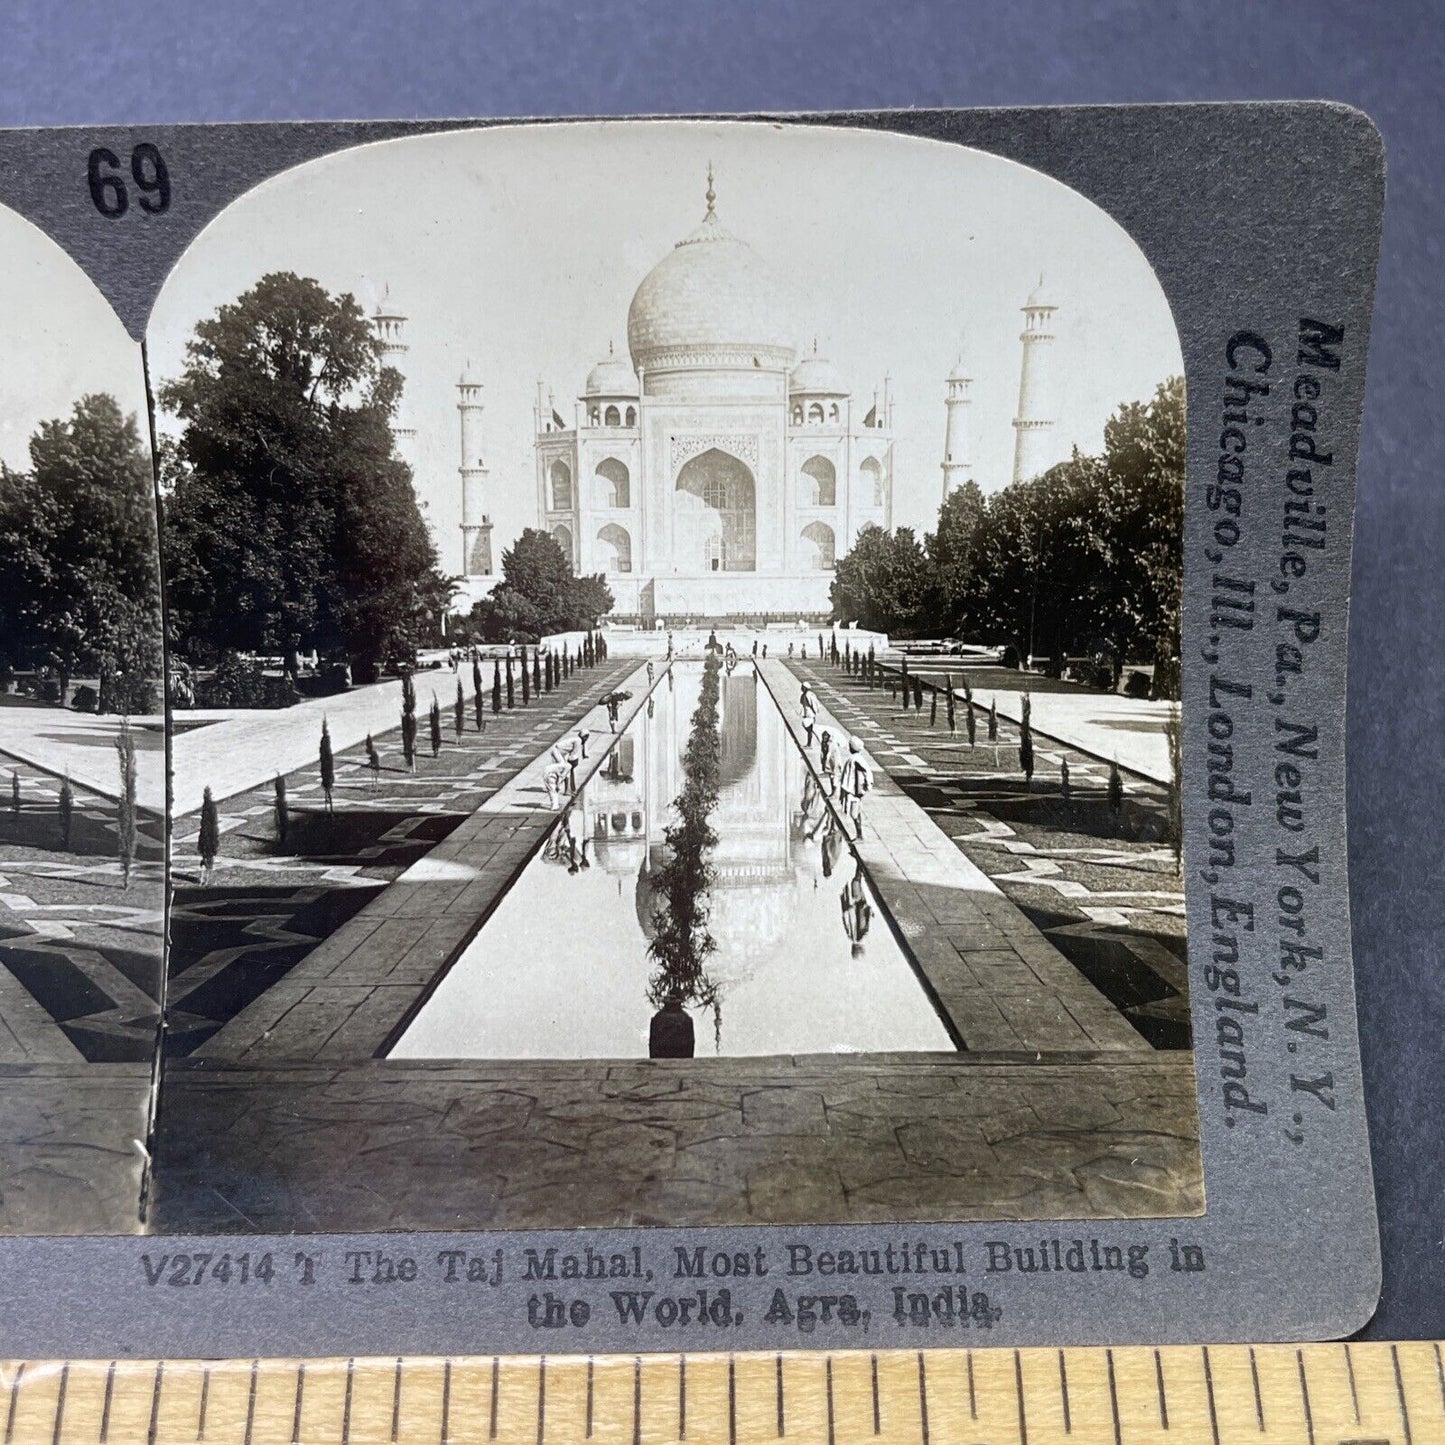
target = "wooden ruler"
x: 1261, y: 1394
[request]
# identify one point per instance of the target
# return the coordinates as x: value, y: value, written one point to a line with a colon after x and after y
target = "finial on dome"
x: 711, y: 195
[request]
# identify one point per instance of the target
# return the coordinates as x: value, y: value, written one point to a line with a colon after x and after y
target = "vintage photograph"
x: 673, y: 649
x: 82, y: 752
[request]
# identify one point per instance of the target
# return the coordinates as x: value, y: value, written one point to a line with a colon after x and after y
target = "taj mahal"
x: 719, y: 469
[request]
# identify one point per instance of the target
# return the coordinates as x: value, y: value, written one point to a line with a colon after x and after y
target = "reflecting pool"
x: 804, y: 959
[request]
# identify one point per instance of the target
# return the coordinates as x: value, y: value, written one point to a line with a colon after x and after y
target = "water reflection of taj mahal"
x: 628, y: 804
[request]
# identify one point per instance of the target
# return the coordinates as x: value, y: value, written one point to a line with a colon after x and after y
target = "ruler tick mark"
x: 636, y: 1401
x: 251, y: 1401
x: 155, y: 1402
x: 923, y: 1399
x: 1064, y: 1393
x: 1209, y: 1392
x: 876, y: 1423
x: 1159, y: 1381
x: 828, y: 1375
x: 1258, y: 1398
x: 682, y: 1397
x: 346, y: 1401
x: 446, y: 1402
x: 778, y: 1371
x: 541, y: 1398
x: 1304, y: 1389
x: 1019, y: 1391
x: 14, y: 1400
x: 396, y: 1399
x: 1350, y: 1371
x: 1114, y: 1399
x: 589, y: 1397
x: 296, y: 1408
x: 105, y: 1408
x: 60, y: 1403
x: 972, y: 1396
x: 732, y: 1401
x: 1400, y: 1392
x: 496, y: 1389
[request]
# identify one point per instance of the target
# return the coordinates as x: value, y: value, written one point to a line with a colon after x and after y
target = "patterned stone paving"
x: 263, y: 936
x: 383, y: 1145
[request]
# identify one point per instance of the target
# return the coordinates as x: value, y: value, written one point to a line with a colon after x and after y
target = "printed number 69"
x: 108, y: 189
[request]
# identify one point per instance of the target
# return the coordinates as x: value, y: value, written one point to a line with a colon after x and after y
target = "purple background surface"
x: 119, y: 61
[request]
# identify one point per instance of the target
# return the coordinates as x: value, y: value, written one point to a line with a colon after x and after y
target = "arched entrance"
x: 717, y: 513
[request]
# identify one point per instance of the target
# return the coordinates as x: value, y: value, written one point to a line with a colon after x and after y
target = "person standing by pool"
x: 649, y: 672
x: 828, y: 760
x: 809, y: 706
x: 855, y: 781
x: 557, y: 775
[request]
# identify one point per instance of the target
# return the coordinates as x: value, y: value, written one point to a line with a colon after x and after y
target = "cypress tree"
x: 66, y: 807
x: 208, y: 840
x: 993, y: 720
x: 1116, y: 789
x: 373, y: 760
x: 933, y: 709
x: 511, y: 694
x: 408, y: 739
x: 459, y: 712
x: 328, y: 765
x: 125, y: 806
x: 526, y: 681
x: 434, y: 725
x: 537, y: 671
x: 282, y: 810
x: 1064, y: 791
x: 905, y: 686
x: 496, y: 687
x: 476, y: 673
x: 948, y: 688
x: 1026, y: 737
x: 479, y: 709
x: 970, y: 721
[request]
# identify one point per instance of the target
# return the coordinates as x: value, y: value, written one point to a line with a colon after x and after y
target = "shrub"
x: 373, y: 759
x: 85, y: 698
x: 1064, y: 792
x: 1116, y: 789
x: 1138, y: 685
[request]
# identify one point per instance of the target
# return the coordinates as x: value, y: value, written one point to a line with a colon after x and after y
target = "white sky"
x: 59, y: 339
x: 519, y: 249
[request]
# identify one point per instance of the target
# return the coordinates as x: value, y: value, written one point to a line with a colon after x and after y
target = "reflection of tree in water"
x: 681, y: 943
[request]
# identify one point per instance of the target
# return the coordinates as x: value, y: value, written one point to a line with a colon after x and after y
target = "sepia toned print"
x: 675, y: 702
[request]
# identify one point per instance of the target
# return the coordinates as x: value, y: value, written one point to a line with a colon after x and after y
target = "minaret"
x: 1034, y: 423
x: 957, y: 462
x: 389, y: 322
x: 476, y: 524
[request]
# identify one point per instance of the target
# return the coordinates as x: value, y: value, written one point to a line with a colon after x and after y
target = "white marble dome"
x: 711, y: 300
x: 611, y: 377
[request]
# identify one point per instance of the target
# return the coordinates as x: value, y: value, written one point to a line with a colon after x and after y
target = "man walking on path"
x: 854, y: 783
x: 809, y: 705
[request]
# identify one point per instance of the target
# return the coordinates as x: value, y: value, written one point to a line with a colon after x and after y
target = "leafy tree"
x: 539, y: 593
x: 79, y: 575
x: 950, y: 549
x: 883, y: 583
x: 287, y: 511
